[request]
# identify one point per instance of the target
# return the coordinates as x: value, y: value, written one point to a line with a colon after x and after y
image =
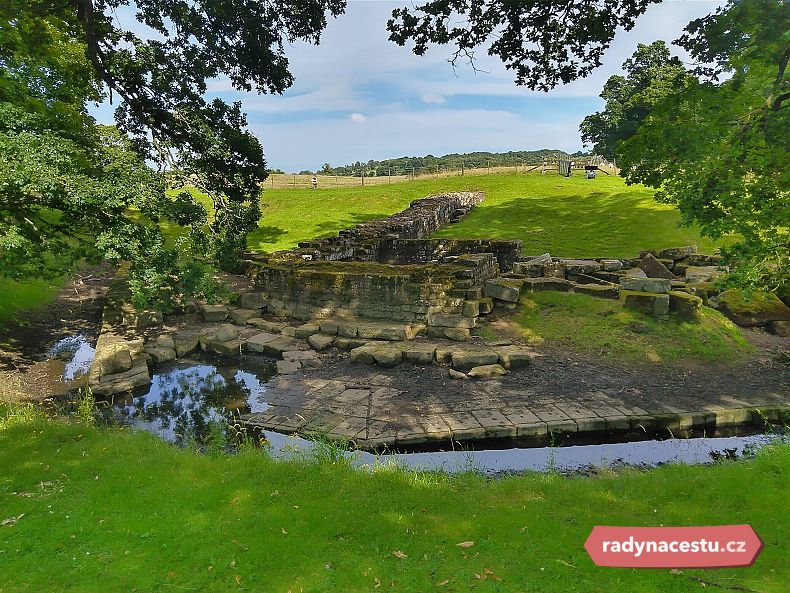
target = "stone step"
x: 461, y: 357
x: 370, y: 330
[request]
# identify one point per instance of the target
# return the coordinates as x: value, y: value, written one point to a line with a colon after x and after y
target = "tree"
x: 546, y: 42
x: 68, y: 186
x: 717, y: 148
x: 651, y: 75
x: 326, y: 169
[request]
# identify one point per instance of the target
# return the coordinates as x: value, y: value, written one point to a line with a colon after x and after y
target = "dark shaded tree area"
x: 72, y: 190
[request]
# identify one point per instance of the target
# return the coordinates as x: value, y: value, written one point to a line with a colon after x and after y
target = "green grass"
x: 104, y: 510
x: 21, y: 296
x: 571, y: 217
x: 605, y: 328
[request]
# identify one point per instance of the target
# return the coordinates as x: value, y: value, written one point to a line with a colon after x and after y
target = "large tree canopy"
x: 652, y: 75
x: 718, y: 146
x: 69, y: 189
x: 546, y: 42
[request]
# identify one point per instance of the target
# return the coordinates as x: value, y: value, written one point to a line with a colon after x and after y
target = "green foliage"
x: 146, y: 515
x: 421, y: 164
x: 544, y: 41
x: 651, y: 75
x: 718, y: 149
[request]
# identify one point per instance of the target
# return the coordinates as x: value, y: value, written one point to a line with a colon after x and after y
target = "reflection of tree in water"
x: 183, y: 401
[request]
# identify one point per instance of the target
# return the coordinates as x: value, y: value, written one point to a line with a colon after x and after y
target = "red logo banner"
x: 674, y: 547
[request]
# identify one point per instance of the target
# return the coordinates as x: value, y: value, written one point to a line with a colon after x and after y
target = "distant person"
x: 314, y: 181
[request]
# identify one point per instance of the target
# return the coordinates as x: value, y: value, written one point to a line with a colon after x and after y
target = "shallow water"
x: 186, y: 397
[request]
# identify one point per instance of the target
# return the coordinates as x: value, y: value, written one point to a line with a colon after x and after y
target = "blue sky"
x: 358, y: 96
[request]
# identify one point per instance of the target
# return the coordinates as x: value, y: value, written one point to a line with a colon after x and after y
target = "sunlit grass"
x: 108, y: 510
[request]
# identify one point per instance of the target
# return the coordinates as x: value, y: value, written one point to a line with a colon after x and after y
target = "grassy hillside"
x: 106, y: 510
x: 19, y: 296
x: 565, y: 216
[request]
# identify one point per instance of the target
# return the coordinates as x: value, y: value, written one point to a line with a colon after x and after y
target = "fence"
x: 395, y: 175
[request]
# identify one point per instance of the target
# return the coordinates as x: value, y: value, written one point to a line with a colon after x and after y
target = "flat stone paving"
x: 407, y: 406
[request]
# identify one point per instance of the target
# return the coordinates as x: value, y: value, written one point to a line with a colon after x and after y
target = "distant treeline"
x: 472, y: 160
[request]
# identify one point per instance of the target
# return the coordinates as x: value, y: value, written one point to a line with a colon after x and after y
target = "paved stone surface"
x: 410, y: 406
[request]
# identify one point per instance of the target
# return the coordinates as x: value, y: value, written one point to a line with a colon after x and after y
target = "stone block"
x: 654, y: 285
x: 240, y: 316
x: 160, y: 354
x: 654, y: 268
x: 752, y: 310
x: 347, y: 329
x: 363, y: 355
x: 646, y: 302
x: 471, y: 309
x: 134, y: 378
x: 451, y: 333
x: 683, y: 303
x: 214, y: 312
x: 114, y: 359
x: 306, y: 330
x: 252, y: 300
x: 453, y: 374
x: 486, y: 371
x: 540, y: 260
x: 348, y: 343
x: 513, y: 357
x: 289, y: 331
x: 165, y: 341
x: 281, y: 344
x: 257, y: 342
x: 226, y: 332
x: 503, y: 289
x: 328, y: 326
x: 274, y: 327
x: 633, y: 273
x: 580, y: 266
x: 698, y: 274
x: 286, y: 367
x: 611, y: 265
x: 465, y: 359
x: 226, y: 348
x: 185, y: 343
x: 676, y: 253
x: 486, y: 305
x: 455, y: 321
x: 384, y: 331
x: 554, y: 270
x: 528, y: 269
x: 419, y: 353
x: 320, y: 341
x: 387, y: 355
x: 444, y: 354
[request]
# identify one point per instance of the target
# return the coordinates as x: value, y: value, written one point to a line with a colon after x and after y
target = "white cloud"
x: 433, y: 98
x: 358, y: 118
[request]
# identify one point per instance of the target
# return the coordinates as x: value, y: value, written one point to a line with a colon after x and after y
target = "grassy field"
x: 604, y: 328
x: 570, y: 217
x: 20, y: 296
x: 105, y: 510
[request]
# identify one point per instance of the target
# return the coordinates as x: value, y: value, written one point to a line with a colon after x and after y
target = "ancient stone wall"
x: 419, y: 221
x: 414, y: 251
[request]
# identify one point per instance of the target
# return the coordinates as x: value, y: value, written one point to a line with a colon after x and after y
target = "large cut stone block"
x: 598, y: 290
x: 443, y: 320
x: 676, y: 253
x: 459, y: 334
x: 160, y: 354
x: 257, y: 342
x: 214, y: 312
x: 752, y: 310
x: 503, y: 289
x: 229, y: 348
x: 321, y: 341
x: 654, y: 268
x: 698, y: 274
x: 463, y: 359
x: 226, y: 332
x: 539, y: 284
x: 646, y: 302
x: 306, y: 330
x: 274, y: 327
x: 419, y: 353
x: 655, y: 285
x: 683, y: 303
x: 252, y: 300
x: 486, y: 371
x: 241, y: 316
x: 581, y: 266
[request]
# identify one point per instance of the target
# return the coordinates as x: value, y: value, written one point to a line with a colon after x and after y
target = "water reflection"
x: 185, y: 397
